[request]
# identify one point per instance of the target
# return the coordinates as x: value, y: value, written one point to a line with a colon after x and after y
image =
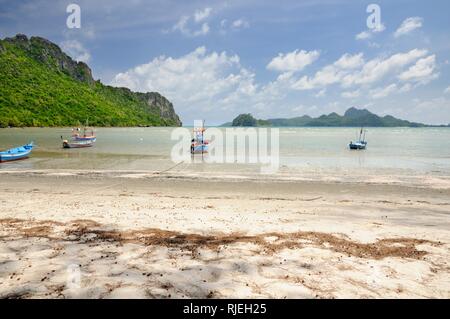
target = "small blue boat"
x: 17, y: 153
x: 199, y: 148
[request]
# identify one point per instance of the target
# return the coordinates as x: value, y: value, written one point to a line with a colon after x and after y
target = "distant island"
x: 353, y: 117
x: 43, y: 86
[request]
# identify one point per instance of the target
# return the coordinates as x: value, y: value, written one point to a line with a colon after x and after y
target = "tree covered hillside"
x: 42, y: 86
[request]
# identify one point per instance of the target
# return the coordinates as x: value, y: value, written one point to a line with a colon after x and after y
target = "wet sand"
x: 81, y: 234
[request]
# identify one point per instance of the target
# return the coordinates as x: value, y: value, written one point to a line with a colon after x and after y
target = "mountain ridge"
x: 353, y: 117
x: 43, y: 86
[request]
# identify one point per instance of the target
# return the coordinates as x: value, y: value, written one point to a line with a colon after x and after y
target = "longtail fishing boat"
x: 15, y: 154
x: 84, y: 134
x: 198, y: 144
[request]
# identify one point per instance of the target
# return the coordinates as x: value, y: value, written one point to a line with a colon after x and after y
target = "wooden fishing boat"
x: 199, y: 147
x: 15, y: 154
x: 77, y: 144
x: 198, y: 144
x: 85, y: 138
x: 84, y: 134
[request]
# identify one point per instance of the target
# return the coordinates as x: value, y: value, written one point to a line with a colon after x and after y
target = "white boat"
x: 361, y: 144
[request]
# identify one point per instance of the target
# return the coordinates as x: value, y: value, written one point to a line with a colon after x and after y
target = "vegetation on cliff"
x: 42, y: 86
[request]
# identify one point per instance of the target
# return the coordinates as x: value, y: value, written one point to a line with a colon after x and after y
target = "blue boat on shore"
x: 15, y: 154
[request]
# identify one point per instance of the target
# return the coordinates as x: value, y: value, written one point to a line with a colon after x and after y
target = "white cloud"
x: 350, y: 70
x: 181, y: 25
x: 351, y: 95
x: 408, y: 26
x: 76, y: 50
x: 405, y: 88
x: 321, y: 93
x: 191, y: 29
x: 447, y: 90
x: 202, y: 31
x: 422, y: 71
x: 379, y: 93
x: 363, y: 35
x: 87, y: 32
x: 239, y: 24
x: 383, y: 92
x: 293, y: 61
x: 196, y: 81
x: 218, y: 86
x: 210, y: 83
x: 379, y: 28
x: 348, y: 61
x: 367, y: 34
x: 234, y: 25
x: 376, y: 69
x: 201, y: 15
x: 326, y: 76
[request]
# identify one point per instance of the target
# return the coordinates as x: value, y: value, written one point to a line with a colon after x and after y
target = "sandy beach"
x: 85, y: 234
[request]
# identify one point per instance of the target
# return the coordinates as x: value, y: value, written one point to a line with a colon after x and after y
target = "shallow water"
x: 419, y: 150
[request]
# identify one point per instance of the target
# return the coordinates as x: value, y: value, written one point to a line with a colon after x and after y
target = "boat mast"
x: 87, y: 126
x: 203, y: 125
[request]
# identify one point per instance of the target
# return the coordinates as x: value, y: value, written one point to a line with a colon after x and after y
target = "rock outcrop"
x: 160, y: 104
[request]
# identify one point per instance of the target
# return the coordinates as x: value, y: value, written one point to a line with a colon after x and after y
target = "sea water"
x: 389, y: 150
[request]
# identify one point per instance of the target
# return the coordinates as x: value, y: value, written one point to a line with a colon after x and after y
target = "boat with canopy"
x: 85, y: 133
x: 198, y: 144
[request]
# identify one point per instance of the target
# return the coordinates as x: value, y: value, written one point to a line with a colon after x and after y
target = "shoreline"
x: 429, y: 180
x: 169, y: 237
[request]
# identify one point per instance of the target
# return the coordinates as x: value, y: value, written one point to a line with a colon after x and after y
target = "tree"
x: 244, y: 120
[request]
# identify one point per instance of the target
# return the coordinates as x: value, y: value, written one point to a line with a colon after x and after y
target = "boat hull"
x: 88, y: 139
x: 357, y: 146
x: 199, y: 149
x: 77, y: 145
x: 11, y: 158
x: 16, y: 154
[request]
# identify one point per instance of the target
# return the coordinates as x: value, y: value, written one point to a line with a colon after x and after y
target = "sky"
x: 216, y: 59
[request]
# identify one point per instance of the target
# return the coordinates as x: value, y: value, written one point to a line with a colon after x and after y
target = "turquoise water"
x: 421, y: 150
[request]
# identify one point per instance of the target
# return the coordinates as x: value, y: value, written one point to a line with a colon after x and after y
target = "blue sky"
x: 217, y: 59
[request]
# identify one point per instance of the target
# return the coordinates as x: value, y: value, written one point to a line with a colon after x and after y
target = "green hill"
x: 42, y: 86
x: 352, y: 117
